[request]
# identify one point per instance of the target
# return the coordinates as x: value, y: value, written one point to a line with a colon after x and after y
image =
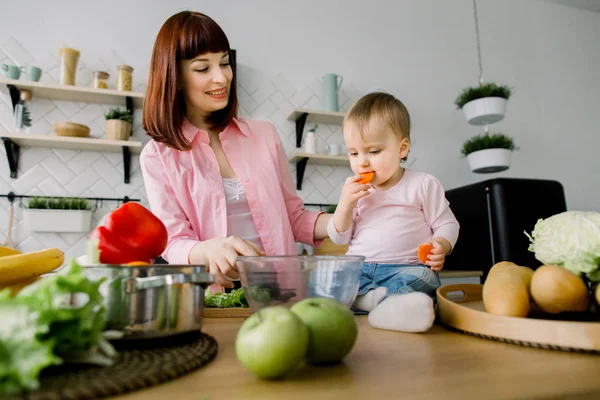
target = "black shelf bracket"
x: 129, y: 105
x: 300, y: 122
x: 300, y: 167
x: 126, y: 163
x: 12, y: 155
x: 15, y: 95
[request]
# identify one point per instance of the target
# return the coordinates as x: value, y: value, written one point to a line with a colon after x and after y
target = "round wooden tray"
x: 461, y: 307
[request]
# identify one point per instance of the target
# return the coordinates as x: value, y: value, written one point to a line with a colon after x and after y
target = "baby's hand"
x: 352, y: 192
x: 436, y: 256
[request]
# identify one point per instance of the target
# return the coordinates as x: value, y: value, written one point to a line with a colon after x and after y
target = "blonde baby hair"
x: 380, y: 105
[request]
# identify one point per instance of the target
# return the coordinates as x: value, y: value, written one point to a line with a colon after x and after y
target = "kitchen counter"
x: 440, y: 364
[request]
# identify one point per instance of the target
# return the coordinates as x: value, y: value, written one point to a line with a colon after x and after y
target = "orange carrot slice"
x: 366, y: 177
x: 424, y: 251
x: 137, y: 263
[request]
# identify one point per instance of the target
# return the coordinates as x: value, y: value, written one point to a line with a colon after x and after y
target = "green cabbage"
x: 571, y: 240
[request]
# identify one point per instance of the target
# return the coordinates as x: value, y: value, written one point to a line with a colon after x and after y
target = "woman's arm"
x: 184, y: 246
x: 163, y: 203
x: 308, y: 227
x: 321, y: 226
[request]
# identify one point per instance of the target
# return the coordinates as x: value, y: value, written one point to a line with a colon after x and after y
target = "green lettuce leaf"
x: 22, y: 354
x: 236, y: 298
x: 43, y: 326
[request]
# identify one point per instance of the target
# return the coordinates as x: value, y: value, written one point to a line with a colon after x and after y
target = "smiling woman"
x: 188, y: 43
x: 220, y: 184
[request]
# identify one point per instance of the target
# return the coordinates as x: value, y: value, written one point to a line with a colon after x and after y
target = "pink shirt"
x: 185, y: 189
x: 389, y: 225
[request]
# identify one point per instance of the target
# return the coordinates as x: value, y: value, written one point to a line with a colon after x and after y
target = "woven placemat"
x: 138, y: 365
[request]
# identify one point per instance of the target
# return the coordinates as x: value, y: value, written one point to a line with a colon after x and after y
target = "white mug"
x: 334, y: 149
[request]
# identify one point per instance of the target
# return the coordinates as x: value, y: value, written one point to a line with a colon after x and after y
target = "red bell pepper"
x: 130, y: 233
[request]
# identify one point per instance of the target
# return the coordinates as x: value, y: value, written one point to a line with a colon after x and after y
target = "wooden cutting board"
x: 235, y: 312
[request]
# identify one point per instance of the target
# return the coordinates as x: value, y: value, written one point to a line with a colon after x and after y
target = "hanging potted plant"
x: 118, y: 124
x: 489, y: 152
x: 46, y: 214
x: 483, y: 104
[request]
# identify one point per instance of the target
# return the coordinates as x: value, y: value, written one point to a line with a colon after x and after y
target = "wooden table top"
x: 439, y: 364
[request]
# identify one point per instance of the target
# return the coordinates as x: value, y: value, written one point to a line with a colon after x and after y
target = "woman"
x: 221, y: 184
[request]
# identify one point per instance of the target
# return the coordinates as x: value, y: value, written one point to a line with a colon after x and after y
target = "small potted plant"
x: 47, y: 214
x: 118, y: 124
x: 489, y: 152
x: 483, y: 104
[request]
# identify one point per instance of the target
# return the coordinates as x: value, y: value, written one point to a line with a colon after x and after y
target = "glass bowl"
x: 285, y: 280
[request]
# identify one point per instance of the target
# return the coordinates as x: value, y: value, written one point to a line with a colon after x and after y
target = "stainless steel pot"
x: 154, y: 300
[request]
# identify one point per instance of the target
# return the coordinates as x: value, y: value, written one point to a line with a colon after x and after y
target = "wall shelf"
x: 73, y: 93
x: 301, y: 159
x: 304, y: 115
x: 13, y: 142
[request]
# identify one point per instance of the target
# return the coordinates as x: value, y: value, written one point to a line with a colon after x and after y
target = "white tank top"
x: 239, y: 217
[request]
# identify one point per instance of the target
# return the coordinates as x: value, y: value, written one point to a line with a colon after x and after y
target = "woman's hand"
x: 219, y: 255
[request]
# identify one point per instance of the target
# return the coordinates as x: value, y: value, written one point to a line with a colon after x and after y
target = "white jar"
x: 310, y: 143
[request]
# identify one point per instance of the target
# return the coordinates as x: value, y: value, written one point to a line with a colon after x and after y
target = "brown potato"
x: 506, y: 290
x: 555, y: 290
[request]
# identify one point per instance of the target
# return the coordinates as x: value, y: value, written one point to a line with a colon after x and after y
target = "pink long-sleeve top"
x: 389, y: 225
x: 185, y: 189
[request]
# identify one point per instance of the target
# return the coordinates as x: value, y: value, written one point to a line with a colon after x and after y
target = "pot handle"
x: 152, y: 282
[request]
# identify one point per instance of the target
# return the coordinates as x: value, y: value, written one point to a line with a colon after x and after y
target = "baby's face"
x: 376, y: 149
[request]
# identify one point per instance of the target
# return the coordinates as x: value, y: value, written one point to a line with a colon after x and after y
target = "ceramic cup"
x: 11, y: 71
x: 32, y: 73
x: 334, y: 149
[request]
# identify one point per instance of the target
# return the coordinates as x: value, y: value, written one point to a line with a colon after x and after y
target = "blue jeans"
x: 399, y: 279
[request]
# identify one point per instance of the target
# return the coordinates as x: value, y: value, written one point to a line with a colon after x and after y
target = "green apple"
x: 332, y: 329
x: 272, y: 342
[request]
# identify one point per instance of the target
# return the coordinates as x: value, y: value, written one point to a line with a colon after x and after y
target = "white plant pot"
x: 485, y: 111
x: 40, y: 220
x: 489, y: 160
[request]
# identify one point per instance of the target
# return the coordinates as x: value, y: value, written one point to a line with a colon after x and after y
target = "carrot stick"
x: 366, y: 177
x: 423, y: 251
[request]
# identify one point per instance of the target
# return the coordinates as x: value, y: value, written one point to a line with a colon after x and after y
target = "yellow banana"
x: 15, y: 287
x: 7, y: 251
x: 27, y: 265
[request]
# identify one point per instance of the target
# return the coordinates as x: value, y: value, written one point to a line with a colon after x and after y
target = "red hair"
x: 182, y: 37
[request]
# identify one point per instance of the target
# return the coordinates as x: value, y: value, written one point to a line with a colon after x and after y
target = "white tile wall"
x: 93, y: 174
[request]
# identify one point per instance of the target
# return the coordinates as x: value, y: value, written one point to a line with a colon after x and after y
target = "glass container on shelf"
x: 124, y: 78
x: 22, y: 112
x: 100, y: 80
x: 68, y: 65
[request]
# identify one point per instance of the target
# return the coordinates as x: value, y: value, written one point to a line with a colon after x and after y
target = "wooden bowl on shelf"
x: 71, y: 129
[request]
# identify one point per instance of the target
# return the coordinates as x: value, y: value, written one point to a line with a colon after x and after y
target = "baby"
x: 388, y: 219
